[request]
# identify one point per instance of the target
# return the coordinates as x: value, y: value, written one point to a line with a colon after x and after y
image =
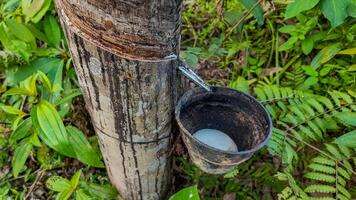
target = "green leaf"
x: 320, y: 188
x: 83, y: 150
x: 310, y: 81
x: 347, y: 117
x: 30, y: 85
x: 81, y: 195
x: 351, y: 51
x: 58, y: 184
x: 50, y: 128
x: 232, y: 173
x: 55, y: 76
x: 335, y: 10
x: 257, y: 11
x: 44, y: 64
x: 45, y: 80
x: 12, y: 110
x: 42, y: 12
x: 22, y: 130
x: 37, y: 33
x: 20, y: 156
x: 288, y: 29
x: 52, y: 30
x: 21, y: 32
x: 325, y: 55
x: 10, y: 5
x: 307, y: 46
x: 35, y: 141
x: 102, y: 191
x: 4, y: 38
x: 189, y: 193
x: 309, y: 70
x: 18, y: 91
x: 232, y: 16
x: 240, y: 84
x: 31, y: 7
x: 298, y: 6
x: 67, y: 192
x: 347, y: 139
x: 74, y: 181
x: 288, y: 44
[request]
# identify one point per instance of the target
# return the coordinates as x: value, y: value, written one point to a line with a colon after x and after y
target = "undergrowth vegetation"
x: 297, y: 58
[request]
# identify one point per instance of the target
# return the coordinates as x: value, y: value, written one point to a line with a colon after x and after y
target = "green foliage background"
x: 297, y: 57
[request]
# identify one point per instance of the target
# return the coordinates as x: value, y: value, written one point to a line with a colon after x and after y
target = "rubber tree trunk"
x: 122, y: 51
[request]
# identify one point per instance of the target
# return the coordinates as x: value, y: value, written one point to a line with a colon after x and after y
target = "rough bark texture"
x: 130, y: 84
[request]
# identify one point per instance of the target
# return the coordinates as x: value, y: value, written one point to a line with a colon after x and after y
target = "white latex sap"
x: 216, y: 139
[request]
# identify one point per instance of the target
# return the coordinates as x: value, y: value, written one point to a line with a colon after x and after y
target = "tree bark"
x: 122, y: 51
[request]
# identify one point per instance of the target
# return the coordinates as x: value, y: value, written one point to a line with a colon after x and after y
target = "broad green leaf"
x: 325, y: 70
x: 102, y: 191
x: 37, y: 33
x: 22, y: 130
x: 21, y: 32
x: 55, y: 76
x: 19, y: 91
x: 351, y: 51
x: 42, y: 12
x: 189, y: 193
x: 31, y: 7
x: 58, y: 184
x: 347, y: 117
x: 309, y: 70
x: 12, y: 110
x: 347, y: 139
x: 83, y: 150
x: 298, y: 6
x: 307, y: 46
x: 257, y: 11
x: 40, y: 64
x: 288, y: 29
x: 334, y: 10
x: 20, y: 156
x: 325, y: 55
x: 49, y: 126
x: 74, y: 181
x: 52, y: 30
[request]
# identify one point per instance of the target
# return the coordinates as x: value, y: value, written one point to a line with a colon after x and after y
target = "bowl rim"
x: 186, y: 132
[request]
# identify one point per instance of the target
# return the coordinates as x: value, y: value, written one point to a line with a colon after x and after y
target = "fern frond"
x: 322, y: 168
x: 323, y: 160
x: 320, y: 177
x: 320, y: 189
x: 331, y: 175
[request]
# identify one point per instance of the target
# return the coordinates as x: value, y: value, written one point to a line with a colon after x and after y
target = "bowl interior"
x: 238, y: 115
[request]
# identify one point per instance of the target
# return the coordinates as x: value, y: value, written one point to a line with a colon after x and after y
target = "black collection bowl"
x: 235, y: 113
